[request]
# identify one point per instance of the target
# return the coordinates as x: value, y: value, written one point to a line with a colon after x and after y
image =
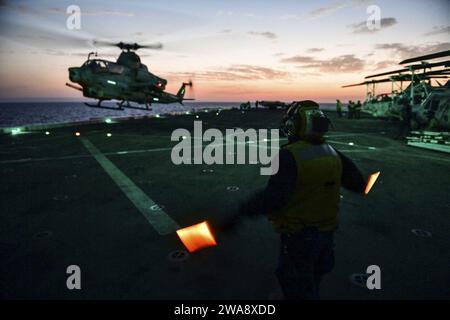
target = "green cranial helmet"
x: 304, y: 118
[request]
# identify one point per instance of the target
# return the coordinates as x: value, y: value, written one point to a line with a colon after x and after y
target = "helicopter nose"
x: 74, y: 74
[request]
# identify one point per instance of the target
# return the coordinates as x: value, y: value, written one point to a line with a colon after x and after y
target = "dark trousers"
x: 304, y: 258
x: 405, y: 128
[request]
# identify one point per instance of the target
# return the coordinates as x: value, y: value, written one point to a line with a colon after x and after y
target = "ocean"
x: 28, y: 113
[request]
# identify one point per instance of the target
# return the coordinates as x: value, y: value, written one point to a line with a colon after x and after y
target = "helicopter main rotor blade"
x: 387, y: 73
x: 128, y: 46
x: 427, y: 65
x: 353, y: 85
x: 155, y: 46
x: 412, y: 67
x: 367, y: 82
x: 427, y: 57
x: 44, y: 35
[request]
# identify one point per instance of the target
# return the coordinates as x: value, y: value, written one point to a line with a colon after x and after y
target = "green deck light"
x: 155, y: 99
x: 157, y: 115
x: 108, y: 134
x: 16, y: 131
x: 111, y: 82
x: 47, y: 133
x: 108, y: 120
x: 351, y: 144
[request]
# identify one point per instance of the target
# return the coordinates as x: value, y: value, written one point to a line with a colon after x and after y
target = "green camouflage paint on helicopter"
x: 127, y: 80
x: 430, y: 103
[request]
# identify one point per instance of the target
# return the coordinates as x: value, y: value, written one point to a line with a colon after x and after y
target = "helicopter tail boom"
x: 182, y: 91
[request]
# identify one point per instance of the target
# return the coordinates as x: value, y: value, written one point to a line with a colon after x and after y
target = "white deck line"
x: 159, y: 220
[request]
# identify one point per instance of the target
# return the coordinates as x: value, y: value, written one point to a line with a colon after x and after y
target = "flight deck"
x: 107, y: 197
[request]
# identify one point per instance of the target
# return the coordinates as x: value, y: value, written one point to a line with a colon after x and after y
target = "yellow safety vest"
x: 315, y: 199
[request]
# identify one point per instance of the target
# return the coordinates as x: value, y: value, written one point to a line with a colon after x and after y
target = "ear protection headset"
x: 300, y: 118
x: 290, y: 121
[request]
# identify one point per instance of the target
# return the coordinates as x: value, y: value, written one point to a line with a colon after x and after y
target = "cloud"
x: 267, y: 34
x: 236, y: 72
x: 26, y: 9
x: 298, y: 59
x: 226, y: 31
x: 340, y: 64
x: 403, y: 51
x: 21, y: 8
x: 291, y: 17
x: 336, y: 6
x: 438, y: 30
x: 328, y: 10
x: 362, y: 26
x: 238, y: 14
x: 384, y: 64
x: 315, y: 50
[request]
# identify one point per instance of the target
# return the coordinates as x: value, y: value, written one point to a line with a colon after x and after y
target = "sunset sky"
x: 232, y: 50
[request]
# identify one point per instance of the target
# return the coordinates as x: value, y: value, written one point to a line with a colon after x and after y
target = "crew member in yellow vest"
x: 302, y: 200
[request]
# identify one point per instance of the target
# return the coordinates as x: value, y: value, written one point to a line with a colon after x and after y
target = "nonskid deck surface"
x: 110, y: 204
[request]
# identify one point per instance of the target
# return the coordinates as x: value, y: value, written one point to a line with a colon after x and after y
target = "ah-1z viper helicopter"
x: 127, y: 80
x: 430, y: 103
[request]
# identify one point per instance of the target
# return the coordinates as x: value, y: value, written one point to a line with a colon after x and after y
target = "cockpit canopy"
x: 103, y: 66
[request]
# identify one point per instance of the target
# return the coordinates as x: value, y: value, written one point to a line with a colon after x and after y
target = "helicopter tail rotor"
x: 182, y: 91
x: 191, y: 86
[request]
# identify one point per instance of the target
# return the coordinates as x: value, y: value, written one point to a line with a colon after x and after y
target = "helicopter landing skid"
x: 99, y: 106
x: 128, y: 105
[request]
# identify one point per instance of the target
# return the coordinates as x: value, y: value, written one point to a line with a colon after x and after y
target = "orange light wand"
x: 197, y: 237
x: 372, y: 179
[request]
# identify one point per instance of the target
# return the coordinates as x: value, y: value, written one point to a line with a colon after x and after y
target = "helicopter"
x: 430, y: 103
x: 127, y: 80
